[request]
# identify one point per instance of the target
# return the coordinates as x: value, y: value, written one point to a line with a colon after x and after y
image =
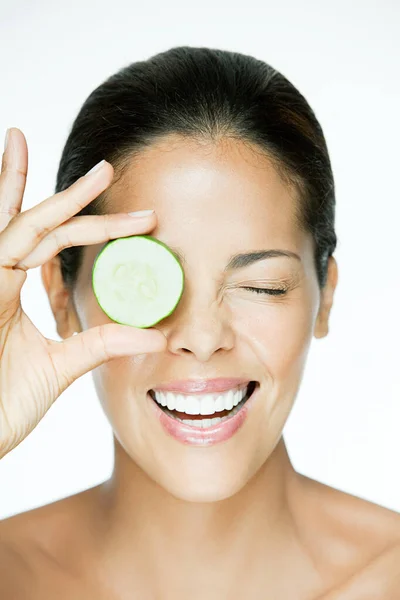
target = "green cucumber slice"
x: 137, y: 280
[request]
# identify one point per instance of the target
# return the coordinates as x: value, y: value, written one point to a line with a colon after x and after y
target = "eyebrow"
x: 239, y: 261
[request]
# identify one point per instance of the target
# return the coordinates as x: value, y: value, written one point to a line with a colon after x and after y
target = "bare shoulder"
x: 362, y: 520
x: 360, y: 549
x: 35, y: 552
x: 379, y: 578
x: 41, y: 527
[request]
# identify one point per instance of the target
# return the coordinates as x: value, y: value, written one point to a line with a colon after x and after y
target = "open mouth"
x: 207, y: 420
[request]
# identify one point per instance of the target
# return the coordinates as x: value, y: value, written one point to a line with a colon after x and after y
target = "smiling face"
x: 213, y: 201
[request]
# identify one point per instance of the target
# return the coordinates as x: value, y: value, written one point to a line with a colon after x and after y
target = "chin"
x: 203, y: 485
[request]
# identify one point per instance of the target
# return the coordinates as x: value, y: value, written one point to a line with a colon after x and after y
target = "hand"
x: 34, y: 370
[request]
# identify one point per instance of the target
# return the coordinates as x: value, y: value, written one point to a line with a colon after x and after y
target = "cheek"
x: 121, y: 391
x: 117, y: 384
x: 280, y: 333
x: 121, y: 396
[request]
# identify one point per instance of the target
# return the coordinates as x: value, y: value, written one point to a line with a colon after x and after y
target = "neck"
x: 146, y: 532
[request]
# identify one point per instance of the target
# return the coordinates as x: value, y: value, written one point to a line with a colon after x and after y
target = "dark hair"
x: 204, y: 94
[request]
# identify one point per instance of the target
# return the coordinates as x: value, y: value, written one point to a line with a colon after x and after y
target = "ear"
x: 321, y: 328
x: 60, y: 298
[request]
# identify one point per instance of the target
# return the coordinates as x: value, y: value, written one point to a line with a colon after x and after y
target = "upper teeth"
x: 206, y: 404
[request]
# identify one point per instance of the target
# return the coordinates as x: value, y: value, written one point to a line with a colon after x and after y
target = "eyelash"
x: 269, y: 291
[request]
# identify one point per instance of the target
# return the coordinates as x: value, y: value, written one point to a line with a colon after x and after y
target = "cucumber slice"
x: 137, y: 280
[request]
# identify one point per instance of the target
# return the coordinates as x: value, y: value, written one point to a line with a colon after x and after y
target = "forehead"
x: 212, y: 200
x: 227, y: 182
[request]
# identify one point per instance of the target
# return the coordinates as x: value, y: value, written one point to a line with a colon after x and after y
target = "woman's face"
x: 211, y: 202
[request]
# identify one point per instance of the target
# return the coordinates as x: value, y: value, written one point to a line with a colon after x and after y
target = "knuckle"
x: 79, y: 198
x: 102, y: 336
x: 38, y: 230
x: 27, y: 219
x: 67, y: 241
x: 61, y: 239
x: 21, y: 266
x: 72, y: 198
x: 13, y: 260
x: 107, y: 224
x: 11, y: 211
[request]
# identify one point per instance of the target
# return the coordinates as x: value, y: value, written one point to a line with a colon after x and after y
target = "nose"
x: 201, y: 332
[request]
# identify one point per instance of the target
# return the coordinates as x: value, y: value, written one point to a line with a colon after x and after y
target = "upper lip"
x: 202, y: 386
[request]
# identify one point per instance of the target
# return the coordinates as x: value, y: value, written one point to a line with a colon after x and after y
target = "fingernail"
x: 96, y: 167
x: 6, y: 139
x: 141, y: 213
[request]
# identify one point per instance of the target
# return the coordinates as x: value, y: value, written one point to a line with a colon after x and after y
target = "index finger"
x: 14, y: 168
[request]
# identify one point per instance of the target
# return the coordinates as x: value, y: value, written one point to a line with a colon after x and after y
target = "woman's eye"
x: 270, y: 291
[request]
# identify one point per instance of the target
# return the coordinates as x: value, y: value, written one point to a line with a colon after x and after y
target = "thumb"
x: 85, y: 351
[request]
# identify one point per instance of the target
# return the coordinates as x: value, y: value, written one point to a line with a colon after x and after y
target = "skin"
x: 233, y: 519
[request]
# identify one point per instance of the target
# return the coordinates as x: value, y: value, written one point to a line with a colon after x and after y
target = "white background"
x: 345, y: 58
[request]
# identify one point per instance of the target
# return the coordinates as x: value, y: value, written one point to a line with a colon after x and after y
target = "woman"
x: 233, y: 161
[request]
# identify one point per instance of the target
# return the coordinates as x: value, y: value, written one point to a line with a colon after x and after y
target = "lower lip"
x: 197, y: 436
